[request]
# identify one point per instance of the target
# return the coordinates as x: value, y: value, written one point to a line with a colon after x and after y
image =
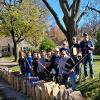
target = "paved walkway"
x: 5, y: 62
x: 8, y: 92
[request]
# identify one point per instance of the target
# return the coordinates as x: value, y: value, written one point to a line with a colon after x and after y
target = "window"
x: 5, y: 49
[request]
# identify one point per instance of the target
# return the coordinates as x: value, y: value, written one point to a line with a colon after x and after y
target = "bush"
x: 90, y: 88
x: 7, y: 55
x: 97, y: 45
x: 47, y: 44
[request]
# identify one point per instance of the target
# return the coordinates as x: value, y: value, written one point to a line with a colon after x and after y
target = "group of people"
x: 60, y: 64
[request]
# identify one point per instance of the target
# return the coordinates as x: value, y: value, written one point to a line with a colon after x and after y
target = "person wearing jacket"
x: 54, y: 63
x: 22, y: 63
x: 87, y: 48
x: 29, y: 66
x: 41, y: 66
x: 66, y: 70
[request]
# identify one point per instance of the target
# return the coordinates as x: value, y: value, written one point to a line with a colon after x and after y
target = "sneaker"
x: 85, y: 78
x: 77, y: 77
x: 92, y: 77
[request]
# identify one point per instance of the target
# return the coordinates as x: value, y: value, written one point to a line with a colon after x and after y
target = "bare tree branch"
x: 77, y: 7
x: 72, y: 5
x: 3, y: 2
x: 73, y: 8
x: 81, y: 15
x: 55, y: 15
x: 94, y: 9
x: 66, y: 2
x: 64, y: 7
x: 19, y: 37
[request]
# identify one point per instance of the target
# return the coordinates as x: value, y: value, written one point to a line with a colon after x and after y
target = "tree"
x: 21, y: 21
x: 97, y: 45
x: 70, y: 17
x: 12, y: 26
x: 39, y: 21
x: 56, y: 34
x: 91, y: 26
x: 47, y: 44
x: 36, y: 38
x: 94, y: 9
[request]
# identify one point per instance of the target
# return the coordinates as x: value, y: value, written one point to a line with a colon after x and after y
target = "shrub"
x: 90, y: 88
x: 97, y: 45
x: 7, y: 55
x: 47, y: 44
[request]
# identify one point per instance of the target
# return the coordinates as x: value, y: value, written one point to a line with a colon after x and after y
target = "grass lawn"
x: 91, y: 87
x: 16, y: 68
x: 97, y: 68
x: 11, y: 58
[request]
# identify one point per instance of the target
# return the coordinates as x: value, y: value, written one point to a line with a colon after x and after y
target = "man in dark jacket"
x: 87, y: 48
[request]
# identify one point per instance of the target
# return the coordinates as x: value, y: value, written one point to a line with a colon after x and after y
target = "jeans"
x: 89, y: 59
x: 72, y: 78
x: 77, y: 69
x: 29, y: 73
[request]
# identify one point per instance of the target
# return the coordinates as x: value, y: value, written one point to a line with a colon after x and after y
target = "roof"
x: 4, y: 41
x: 24, y: 43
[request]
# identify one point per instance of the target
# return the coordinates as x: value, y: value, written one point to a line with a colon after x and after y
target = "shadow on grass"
x: 96, y: 59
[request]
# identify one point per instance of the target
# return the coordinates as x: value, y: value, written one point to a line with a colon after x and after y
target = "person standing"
x: 87, y: 48
x: 54, y: 63
x: 35, y: 63
x: 22, y: 63
x: 29, y: 67
x: 65, y: 47
x: 76, y: 55
x: 41, y: 66
x: 48, y: 65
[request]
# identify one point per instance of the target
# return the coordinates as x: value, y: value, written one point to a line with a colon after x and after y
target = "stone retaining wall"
x: 38, y: 89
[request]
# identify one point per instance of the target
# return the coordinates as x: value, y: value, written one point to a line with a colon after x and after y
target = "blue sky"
x: 86, y: 18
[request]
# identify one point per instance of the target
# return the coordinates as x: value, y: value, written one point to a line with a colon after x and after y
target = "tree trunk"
x: 70, y: 17
x: 15, y: 51
x: 70, y: 25
x: 15, y: 45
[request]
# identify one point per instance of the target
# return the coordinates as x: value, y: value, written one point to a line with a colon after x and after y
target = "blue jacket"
x: 28, y: 62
